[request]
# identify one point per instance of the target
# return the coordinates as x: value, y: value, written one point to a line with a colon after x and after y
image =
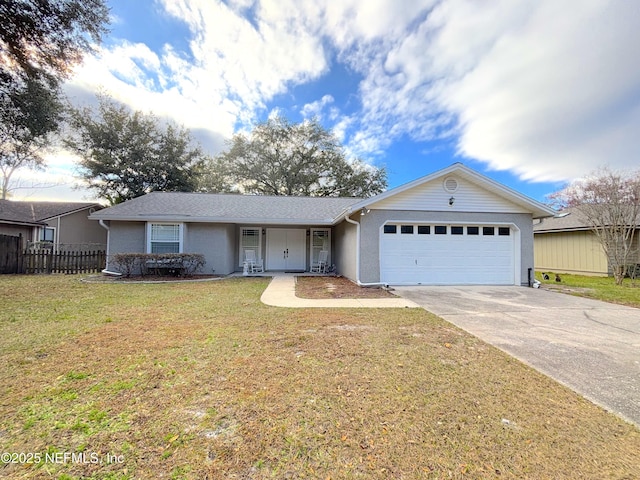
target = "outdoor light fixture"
x: 364, y: 211
x: 451, y: 200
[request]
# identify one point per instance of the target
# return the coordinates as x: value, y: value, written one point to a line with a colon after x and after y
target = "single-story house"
x: 565, y: 244
x: 55, y: 223
x: 454, y: 226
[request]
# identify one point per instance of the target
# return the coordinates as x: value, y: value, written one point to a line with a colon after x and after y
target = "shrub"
x: 177, y: 264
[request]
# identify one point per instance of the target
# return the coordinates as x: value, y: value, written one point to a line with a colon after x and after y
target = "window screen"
x: 165, y: 238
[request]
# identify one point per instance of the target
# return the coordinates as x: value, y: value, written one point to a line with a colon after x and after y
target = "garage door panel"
x: 447, y: 259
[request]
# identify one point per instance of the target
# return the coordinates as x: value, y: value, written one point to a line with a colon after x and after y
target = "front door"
x: 286, y: 248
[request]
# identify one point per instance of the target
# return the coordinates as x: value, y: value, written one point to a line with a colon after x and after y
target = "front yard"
x: 203, y: 381
x: 598, y: 288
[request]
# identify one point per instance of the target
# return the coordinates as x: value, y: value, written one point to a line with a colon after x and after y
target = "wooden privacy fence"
x: 10, y: 254
x: 44, y: 261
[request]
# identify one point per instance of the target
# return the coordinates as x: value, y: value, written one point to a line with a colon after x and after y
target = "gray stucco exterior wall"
x: 345, y: 252
x: 216, y: 242
x: 125, y: 237
x: 373, y: 221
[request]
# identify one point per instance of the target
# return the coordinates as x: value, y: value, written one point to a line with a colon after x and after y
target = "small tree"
x: 283, y: 158
x: 126, y: 154
x: 609, y: 203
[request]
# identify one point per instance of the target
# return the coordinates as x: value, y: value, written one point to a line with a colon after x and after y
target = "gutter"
x: 106, y: 227
x: 361, y: 284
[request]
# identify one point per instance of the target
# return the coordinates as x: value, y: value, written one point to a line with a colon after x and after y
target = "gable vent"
x: 450, y: 184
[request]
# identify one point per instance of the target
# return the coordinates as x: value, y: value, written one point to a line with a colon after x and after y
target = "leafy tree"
x: 43, y: 39
x: 283, y: 158
x: 609, y: 203
x: 28, y: 115
x: 40, y: 42
x: 127, y: 154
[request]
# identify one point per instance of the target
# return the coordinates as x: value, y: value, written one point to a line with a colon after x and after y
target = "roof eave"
x: 22, y: 223
x: 189, y: 219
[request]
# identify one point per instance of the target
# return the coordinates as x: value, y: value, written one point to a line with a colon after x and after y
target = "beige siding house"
x: 452, y: 227
x: 565, y: 244
x: 56, y: 223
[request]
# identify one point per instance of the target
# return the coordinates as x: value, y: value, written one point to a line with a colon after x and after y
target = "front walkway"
x: 281, y: 292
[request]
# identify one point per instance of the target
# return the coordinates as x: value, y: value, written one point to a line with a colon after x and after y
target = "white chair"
x: 321, y: 265
x: 253, y: 264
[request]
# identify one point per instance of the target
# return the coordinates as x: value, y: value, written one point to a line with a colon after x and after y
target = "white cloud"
x: 315, y: 109
x: 546, y: 89
x: 549, y: 90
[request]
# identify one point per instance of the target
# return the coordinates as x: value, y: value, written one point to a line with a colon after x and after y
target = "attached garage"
x: 448, y: 254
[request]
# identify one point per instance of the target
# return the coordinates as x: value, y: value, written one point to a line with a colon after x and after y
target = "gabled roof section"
x: 228, y: 208
x: 36, y: 213
x: 524, y: 203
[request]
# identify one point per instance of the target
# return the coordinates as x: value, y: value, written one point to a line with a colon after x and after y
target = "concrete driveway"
x: 590, y: 346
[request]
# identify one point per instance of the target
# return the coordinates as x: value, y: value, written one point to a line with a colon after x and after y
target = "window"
x: 47, y: 234
x: 488, y: 231
x: 390, y: 228
x: 441, y: 230
x: 165, y: 238
x: 504, y: 231
x: 320, y: 240
x: 457, y: 230
x: 424, y: 229
x: 250, y: 240
x: 406, y: 229
x: 473, y: 230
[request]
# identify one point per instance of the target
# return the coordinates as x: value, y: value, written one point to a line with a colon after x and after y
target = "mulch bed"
x: 146, y: 278
x: 336, y: 287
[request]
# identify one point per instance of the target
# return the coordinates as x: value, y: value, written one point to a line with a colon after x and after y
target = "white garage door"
x: 440, y: 254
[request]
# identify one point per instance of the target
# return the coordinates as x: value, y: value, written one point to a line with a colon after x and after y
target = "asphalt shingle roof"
x: 207, y: 207
x: 566, y: 220
x: 37, y: 212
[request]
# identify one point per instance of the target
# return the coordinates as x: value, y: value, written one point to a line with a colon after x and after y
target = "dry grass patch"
x: 203, y: 381
x: 336, y: 287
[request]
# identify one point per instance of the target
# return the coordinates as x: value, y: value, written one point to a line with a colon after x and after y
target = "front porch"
x: 293, y: 249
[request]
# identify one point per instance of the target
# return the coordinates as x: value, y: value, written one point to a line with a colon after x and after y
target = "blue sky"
x: 532, y: 93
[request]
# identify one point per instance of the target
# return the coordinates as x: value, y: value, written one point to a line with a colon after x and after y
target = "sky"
x: 533, y: 94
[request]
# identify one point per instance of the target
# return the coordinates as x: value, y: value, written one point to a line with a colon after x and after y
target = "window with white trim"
x: 250, y: 239
x: 164, y: 237
x: 320, y: 240
x: 47, y: 234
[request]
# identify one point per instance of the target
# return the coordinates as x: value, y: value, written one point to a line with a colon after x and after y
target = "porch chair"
x: 321, y: 265
x: 253, y: 264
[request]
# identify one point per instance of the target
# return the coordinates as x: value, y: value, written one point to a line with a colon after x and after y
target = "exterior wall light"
x: 364, y: 211
x: 451, y: 201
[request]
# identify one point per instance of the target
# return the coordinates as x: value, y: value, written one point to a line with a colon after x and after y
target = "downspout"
x: 106, y: 227
x: 357, y: 224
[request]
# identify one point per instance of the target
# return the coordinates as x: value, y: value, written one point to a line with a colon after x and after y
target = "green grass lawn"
x: 201, y: 381
x: 599, y: 288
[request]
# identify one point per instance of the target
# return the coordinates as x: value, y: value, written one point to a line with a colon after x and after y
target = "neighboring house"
x: 454, y: 226
x: 55, y: 223
x: 566, y: 244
